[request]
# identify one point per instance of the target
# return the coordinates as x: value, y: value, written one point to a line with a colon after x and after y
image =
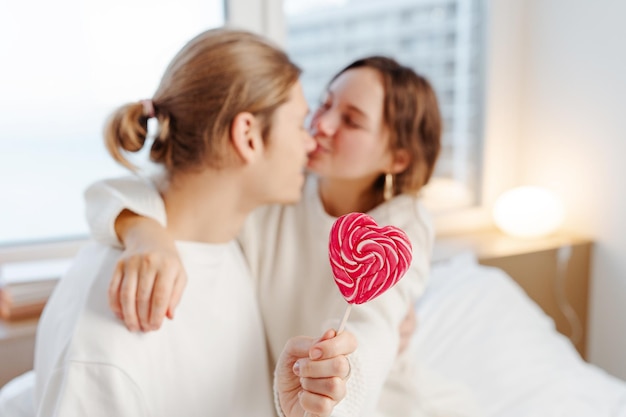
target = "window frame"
x: 502, y: 100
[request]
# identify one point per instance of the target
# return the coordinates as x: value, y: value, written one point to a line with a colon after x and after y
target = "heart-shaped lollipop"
x: 367, y: 259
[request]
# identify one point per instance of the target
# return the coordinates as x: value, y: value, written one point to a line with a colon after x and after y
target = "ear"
x: 401, y: 161
x: 245, y: 134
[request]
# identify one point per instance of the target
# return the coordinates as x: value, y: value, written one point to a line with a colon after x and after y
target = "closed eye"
x: 350, y: 122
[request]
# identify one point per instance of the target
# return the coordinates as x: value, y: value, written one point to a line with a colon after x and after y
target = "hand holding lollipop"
x: 366, y: 259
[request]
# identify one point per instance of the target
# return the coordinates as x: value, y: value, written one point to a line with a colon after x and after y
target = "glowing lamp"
x: 528, y: 212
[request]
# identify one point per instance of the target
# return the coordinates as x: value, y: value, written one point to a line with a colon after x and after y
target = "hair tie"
x: 148, y: 108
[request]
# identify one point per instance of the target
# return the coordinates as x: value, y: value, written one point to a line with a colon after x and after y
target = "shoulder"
x: 409, y: 214
x: 78, y: 309
x: 78, y: 301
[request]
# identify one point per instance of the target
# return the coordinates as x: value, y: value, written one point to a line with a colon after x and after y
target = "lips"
x: 320, y: 148
x: 316, y: 153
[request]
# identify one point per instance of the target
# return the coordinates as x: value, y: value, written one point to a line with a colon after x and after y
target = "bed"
x: 478, y: 327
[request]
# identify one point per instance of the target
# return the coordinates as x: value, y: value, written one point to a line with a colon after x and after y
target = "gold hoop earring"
x: 388, y: 190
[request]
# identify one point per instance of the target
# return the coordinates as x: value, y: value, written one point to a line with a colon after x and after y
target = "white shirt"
x: 210, y: 361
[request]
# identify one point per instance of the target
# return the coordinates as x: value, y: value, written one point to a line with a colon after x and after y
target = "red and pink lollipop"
x: 366, y: 259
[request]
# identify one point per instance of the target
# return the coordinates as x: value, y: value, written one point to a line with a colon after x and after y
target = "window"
x: 65, y: 66
x: 440, y: 39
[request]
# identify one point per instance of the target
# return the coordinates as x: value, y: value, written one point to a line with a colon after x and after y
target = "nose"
x: 325, y: 122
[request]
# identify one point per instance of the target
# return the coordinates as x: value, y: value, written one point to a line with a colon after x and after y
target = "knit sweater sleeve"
x: 106, y: 199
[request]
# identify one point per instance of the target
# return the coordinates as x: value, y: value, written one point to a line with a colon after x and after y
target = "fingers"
x: 409, y: 323
x: 162, y: 295
x: 338, y: 367
x: 316, y: 405
x: 328, y: 346
x: 114, y: 290
x: 333, y: 388
x: 128, y: 294
x: 407, y: 328
x: 147, y: 275
x: 145, y: 288
x: 177, y: 292
x: 323, y: 383
x: 320, y: 395
x: 299, y: 346
x: 319, y: 383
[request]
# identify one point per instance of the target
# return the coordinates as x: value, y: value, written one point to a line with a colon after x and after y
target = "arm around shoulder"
x: 106, y: 199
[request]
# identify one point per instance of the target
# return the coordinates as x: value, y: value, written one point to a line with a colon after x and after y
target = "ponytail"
x: 126, y: 130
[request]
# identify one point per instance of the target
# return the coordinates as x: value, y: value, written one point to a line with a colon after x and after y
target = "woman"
x: 230, y: 110
x: 378, y: 136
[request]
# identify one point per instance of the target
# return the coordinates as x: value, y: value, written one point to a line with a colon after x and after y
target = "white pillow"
x: 16, y: 397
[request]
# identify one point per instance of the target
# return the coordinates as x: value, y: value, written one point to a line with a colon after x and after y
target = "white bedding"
x: 476, y: 326
x: 16, y: 397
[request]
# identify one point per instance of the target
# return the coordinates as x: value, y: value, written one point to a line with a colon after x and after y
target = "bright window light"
x: 65, y: 66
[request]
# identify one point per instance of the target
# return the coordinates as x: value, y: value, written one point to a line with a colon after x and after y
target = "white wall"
x: 572, y: 138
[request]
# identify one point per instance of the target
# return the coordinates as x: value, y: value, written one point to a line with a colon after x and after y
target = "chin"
x: 288, y: 200
x: 293, y: 197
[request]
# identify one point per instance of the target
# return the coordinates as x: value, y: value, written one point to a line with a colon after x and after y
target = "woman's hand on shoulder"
x: 407, y: 329
x: 149, y: 278
x: 311, y: 374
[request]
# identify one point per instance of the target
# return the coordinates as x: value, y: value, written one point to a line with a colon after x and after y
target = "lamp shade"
x: 528, y: 212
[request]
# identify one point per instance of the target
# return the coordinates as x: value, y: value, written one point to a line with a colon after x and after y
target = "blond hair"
x: 217, y: 75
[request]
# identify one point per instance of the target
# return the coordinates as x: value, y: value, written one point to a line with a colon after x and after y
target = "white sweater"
x: 210, y: 361
x: 287, y: 250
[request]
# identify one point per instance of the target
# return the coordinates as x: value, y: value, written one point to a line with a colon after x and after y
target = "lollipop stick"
x: 345, y: 318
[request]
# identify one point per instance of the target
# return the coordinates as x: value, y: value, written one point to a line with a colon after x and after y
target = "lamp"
x: 528, y: 212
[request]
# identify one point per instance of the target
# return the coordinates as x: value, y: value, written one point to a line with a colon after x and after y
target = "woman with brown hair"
x: 230, y: 111
x: 378, y: 136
